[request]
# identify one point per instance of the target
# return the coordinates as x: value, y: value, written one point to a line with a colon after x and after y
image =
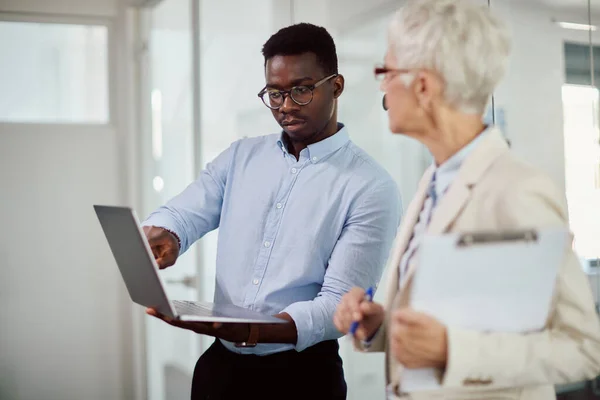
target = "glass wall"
x: 231, y: 75
x: 169, y: 166
x: 232, y: 72
x: 549, y: 119
x: 528, y: 106
x: 549, y: 100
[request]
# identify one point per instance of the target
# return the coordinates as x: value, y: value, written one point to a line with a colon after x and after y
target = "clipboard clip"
x: 470, y: 239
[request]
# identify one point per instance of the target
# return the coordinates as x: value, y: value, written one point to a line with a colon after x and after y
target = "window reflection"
x: 53, y: 73
x: 582, y: 166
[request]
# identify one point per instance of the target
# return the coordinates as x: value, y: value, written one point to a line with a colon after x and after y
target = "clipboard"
x: 485, y: 281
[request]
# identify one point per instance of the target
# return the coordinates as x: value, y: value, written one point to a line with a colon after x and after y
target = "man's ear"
x: 338, y: 86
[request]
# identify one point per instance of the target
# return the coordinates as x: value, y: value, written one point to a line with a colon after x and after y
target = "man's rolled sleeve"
x: 197, y: 210
x: 310, y: 323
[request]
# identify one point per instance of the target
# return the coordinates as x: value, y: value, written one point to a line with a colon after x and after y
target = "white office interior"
x: 124, y: 101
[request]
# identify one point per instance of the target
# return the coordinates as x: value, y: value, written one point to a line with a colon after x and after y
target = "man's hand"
x: 164, y: 245
x: 230, y: 331
x: 352, y: 308
x: 417, y: 340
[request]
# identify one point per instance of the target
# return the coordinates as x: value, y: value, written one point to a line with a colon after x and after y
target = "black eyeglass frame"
x: 289, y: 92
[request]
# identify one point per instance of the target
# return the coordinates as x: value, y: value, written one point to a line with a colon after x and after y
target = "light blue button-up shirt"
x: 445, y: 173
x: 294, y: 235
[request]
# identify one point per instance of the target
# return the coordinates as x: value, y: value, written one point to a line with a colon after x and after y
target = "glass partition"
x: 547, y: 107
x: 549, y: 100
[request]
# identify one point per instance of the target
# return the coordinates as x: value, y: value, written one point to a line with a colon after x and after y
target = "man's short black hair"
x: 303, y: 38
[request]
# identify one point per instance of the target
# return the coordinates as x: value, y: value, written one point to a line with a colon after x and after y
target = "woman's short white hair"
x: 461, y: 41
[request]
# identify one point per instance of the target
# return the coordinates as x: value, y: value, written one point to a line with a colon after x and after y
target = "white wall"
x: 530, y: 94
x: 108, y: 8
x: 65, y: 331
x: 62, y: 335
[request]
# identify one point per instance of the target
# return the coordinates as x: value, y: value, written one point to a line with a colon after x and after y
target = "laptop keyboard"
x: 184, y: 307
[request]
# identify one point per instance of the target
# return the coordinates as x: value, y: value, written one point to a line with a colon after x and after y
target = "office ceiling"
x: 576, y: 6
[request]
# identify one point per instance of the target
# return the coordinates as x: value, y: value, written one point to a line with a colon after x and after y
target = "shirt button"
x: 314, y: 159
x: 267, y: 244
x: 279, y: 205
x: 255, y: 281
x: 294, y: 170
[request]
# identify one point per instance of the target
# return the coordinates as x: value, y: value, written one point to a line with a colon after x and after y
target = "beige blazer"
x: 493, y: 190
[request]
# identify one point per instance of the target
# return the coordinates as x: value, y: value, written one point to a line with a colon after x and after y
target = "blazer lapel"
x: 473, y: 168
x: 456, y: 198
x: 405, y: 233
x: 449, y: 207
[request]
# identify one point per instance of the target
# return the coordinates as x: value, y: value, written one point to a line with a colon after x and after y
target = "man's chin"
x: 297, y: 132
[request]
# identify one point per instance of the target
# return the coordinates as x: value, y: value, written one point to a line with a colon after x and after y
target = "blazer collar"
x: 452, y: 203
x: 472, y: 170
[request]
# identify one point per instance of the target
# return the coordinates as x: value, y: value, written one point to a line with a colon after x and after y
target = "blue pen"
x: 368, y: 297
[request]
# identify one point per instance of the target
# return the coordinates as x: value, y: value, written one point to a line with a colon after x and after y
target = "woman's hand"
x: 352, y: 308
x: 417, y: 340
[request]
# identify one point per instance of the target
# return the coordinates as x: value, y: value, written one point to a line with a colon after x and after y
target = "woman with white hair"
x: 444, y: 60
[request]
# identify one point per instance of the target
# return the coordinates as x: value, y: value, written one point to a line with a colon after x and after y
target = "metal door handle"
x: 596, y: 386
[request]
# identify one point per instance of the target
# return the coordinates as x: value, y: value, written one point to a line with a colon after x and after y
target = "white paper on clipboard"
x: 486, y: 281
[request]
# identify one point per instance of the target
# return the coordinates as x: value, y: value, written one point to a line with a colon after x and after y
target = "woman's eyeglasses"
x: 381, y: 72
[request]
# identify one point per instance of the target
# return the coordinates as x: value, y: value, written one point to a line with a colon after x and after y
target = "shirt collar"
x: 317, y: 151
x: 445, y: 173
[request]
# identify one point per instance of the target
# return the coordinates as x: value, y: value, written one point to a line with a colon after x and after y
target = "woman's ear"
x: 426, y: 89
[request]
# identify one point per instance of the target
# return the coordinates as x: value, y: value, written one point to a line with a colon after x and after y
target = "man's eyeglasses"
x: 301, y: 95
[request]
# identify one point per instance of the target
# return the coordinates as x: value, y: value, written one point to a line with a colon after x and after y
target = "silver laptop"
x: 141, y: 274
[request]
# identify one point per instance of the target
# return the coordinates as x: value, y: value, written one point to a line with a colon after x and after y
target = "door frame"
x: 122, y: 121
x: 144, y: 125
